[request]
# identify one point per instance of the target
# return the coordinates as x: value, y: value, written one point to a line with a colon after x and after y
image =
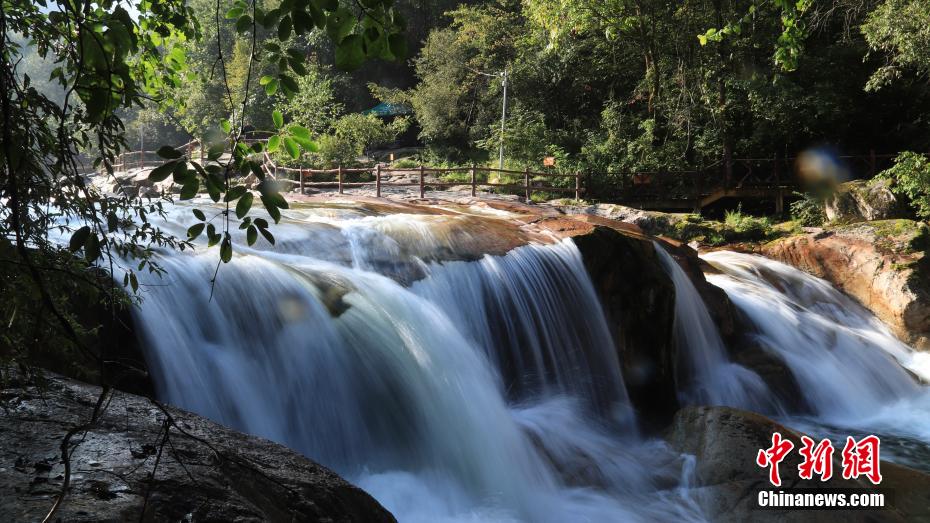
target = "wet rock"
x: 725, y: 442
x: 860, y: 200
x: 639, y: 300
x: 205, y: 472
x: 882, y: 264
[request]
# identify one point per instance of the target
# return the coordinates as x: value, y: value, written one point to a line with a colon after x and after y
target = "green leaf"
x: 297, y: 66
x: 235, y: 12
x: 78, y: 238
x: 261, y: 223
x: 271, y: 87
x: 112, y: 222
x: 245, y: 223
x: 169, y: 153
x: 213, y: 189
x: 244, y: 205
x: 271, y: 208
x: 288, y: 83
x: 298, y: 131
x: 349, y: 53
x: 291, y: 146
x: 339, y: 24
x: 267, y: 234
x: 194, y: 231
x: 265, y: 80
x: 251, y: 235
x: 244, y: 24
x: 308, y: 145
x: 226, y: 249
x: 189, y: 189
x: 199, y: 214
x: 213, y: 237
x: 284, y: 28
x: 303, y: 22
x: 226, y: 126
x: 133, y: 282
x: 162, y: 172
x: 273, y: 143
x: 278, y: 119
x: 235, y: 193
x: 92, y: 248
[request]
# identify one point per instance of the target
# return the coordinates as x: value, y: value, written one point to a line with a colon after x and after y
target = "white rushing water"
x: 849, y: 366
x: 708, y: 375
x: 484, y: 390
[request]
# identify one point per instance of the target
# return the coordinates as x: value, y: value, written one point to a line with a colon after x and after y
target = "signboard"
x: 549, y: 161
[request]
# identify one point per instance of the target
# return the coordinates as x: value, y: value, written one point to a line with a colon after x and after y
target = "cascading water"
x: 482, y: 391
x: 709, y: 377
x: 850, y: 367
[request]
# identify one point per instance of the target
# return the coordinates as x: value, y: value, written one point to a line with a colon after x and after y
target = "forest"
x: 460, y: 260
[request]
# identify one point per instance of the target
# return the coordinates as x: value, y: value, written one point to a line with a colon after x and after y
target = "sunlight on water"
x: 484, y: 390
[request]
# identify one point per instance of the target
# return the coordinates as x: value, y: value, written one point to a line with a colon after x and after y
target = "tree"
x: 899, y: 30
x: 61, y: 242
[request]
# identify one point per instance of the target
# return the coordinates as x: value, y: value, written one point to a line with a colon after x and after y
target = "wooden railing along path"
x: 380, y: 178
x: 746, y: 178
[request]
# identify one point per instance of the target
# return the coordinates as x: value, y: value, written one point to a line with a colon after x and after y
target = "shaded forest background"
x: 602, y: 86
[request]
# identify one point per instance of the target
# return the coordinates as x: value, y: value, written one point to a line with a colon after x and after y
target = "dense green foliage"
x: 911, y: 179
x: 207, y: 68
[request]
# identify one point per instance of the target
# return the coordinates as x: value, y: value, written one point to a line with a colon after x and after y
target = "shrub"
x: 808, y: 211
x: 910, y: 177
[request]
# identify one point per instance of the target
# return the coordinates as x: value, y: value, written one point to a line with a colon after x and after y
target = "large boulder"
x: 138, y: 464
x: 860, y: 200
x: 725, y: 441
x: 883, y: 264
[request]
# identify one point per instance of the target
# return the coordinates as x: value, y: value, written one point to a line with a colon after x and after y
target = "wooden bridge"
x: 769, y: 179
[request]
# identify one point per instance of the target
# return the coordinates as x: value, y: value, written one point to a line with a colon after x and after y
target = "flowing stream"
x: 484, y: 390
x: 463, y: 388
x: 855, y: 375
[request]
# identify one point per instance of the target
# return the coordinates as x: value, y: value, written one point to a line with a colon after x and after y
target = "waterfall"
x: 849, y: 366
x: 484, y: 390
x: 709, y: 377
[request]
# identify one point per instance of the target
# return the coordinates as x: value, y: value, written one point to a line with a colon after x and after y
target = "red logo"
x: 860, y: 458
x: 817, y: 459
x: 772, y: 456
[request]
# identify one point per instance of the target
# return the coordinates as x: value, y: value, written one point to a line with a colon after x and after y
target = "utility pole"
x: 504, y: 76
x: 503, y: 119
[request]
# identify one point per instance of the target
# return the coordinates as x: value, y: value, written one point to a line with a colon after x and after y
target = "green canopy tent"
x: 384, y: 110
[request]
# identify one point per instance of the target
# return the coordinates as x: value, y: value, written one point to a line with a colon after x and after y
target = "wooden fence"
x: 771, y: 178
x: 379, y: 178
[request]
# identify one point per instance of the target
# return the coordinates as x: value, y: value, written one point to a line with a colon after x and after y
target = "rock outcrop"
x: 883, y: 264
x: 725, y: 442
x: 639, y: 300
x: 861, y: 200
x: 138, y: 464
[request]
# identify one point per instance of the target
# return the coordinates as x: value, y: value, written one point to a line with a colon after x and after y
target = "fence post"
x: 779, y: 195
x: 339, y: 177
x: 422, y: 188
x: 474, y: 185
x: 378, y: 180
x: 300, y: 175
x: 577, y: 185
x: 526, y: 183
